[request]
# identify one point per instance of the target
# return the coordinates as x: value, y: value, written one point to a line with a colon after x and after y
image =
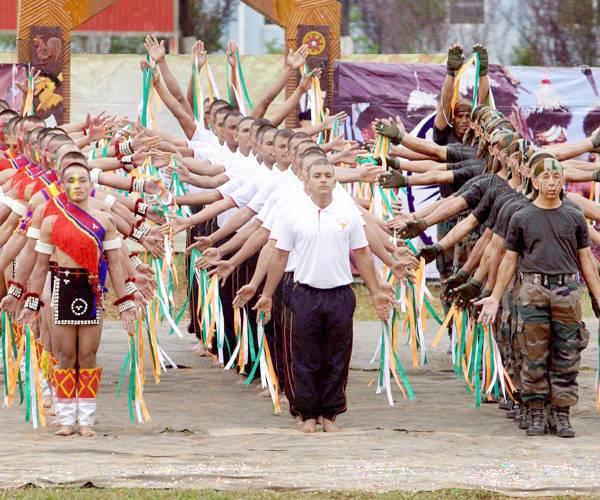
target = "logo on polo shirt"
x: 343, y: 224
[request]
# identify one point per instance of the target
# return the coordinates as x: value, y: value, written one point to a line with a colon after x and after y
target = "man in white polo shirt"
x: 322, y: 232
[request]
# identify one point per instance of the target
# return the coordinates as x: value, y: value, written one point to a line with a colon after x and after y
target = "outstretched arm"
x: 293, y: 61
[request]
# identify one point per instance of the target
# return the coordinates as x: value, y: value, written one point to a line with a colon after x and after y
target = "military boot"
x: 514, y: 411
x: 561, y: 425
x: 537, y: 425
x: 523, y: 418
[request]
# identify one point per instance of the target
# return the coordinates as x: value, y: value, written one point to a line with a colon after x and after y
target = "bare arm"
x: 589, y: 270
x: 458, y: 232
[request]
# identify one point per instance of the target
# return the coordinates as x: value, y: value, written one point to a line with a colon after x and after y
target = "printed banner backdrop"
x: 548, y: 105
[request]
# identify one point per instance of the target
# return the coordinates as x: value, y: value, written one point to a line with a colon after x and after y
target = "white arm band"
x: 19, y: 208
x: 112, y: 244
x: 95, y: 174
x: 8, y: 201
x: 110, y: 200
x: 44, y: 248
x: 33, y: 233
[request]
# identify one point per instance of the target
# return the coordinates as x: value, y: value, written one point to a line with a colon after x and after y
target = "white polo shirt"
x: 322, y: 239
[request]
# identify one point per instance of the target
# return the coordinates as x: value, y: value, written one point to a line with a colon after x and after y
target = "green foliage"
x: 273, y: 46
x: 127, y: 45
x: 205, y: 20
x: 8, y: 43
x: 522, y: 56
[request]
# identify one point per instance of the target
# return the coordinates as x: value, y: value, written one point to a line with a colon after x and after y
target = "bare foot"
x: 319, y: 420
x: 330, y: 426
x: 199, y: 350
x: 55, y: 424
x: 309, y: 426
x: 65, y: 430
x: 47, y: 402
x: 50, y: 411
x: 86, y: 431
x: 282, y: 399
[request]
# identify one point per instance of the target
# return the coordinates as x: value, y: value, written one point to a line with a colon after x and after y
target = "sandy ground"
x: 207, y: 431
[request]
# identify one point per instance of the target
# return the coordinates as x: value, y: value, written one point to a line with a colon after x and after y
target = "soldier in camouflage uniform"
x: 548, y: 240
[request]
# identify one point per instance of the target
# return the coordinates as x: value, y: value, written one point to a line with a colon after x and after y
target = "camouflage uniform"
x: 554, y: 337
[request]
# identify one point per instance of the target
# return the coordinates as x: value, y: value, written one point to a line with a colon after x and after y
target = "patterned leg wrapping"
x: 65, y: 383
x: 87, y: 388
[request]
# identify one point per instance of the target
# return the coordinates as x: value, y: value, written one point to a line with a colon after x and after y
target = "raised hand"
x: 199, y: 53
x: 296, y: 59
x: 483, y: 58
x: 156, y: 50
x: 306, y: 80
x: 231, y: 50
x: 329, y: 120
x: 456, y: 58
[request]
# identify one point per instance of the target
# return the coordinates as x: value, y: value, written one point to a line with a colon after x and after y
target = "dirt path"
x: 207, y: 431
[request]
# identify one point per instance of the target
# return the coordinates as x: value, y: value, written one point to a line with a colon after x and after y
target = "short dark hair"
x: 233, y: 114
x: 318, y: 162
x: 73, y: 165
x: 285, y: 133
x: 262, y: 130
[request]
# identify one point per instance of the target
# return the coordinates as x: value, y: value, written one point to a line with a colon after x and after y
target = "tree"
x: 403, y: 26
x: 205, y: 20
x: 560, y: 33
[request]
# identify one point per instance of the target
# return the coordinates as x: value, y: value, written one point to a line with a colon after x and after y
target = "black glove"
x: 483, y: 58
x: 456, y: 58
x: 596, y: 175
x: 414, y: 228
x: 392, y: 179
x: 467, y: 292
x: 392, y: 162
x: 395, y: 131
x: 456, y: 280
x: 430, y: 252
x: 484, y: 293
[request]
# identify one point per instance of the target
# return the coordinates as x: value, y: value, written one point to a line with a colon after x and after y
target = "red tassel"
x: 77, y: 245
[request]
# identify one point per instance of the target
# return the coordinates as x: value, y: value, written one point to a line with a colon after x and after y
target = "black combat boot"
x: 561, y: 423
x: 505, y: 404
x: 514, y: 411
x: 537, y: 425
x: 523, y: 418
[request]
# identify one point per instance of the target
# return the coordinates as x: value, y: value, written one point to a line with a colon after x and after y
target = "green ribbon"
x: 242, y: 81
x: 194, y: 79
x: 476, y: 84
x: 248, y: 381
x: 409, y: 391
x: 146, y: 85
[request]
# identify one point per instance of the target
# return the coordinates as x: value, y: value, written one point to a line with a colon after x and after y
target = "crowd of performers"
x: 276, y: 220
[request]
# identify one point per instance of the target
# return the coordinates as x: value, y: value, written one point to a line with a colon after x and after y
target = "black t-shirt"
x: 506, y: 213
x: 484, y: 207
x: 457, y: 151
x: 547, y: 240
x: 500, y: 202
x: 462, y: 171
x: 445, y: 136
x: 474, y: 189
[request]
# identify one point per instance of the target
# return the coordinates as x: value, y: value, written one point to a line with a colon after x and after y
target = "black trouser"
x: 275, y: 330
x: 321, y: 346
x: 203, y: 229
x: 240, y: 277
